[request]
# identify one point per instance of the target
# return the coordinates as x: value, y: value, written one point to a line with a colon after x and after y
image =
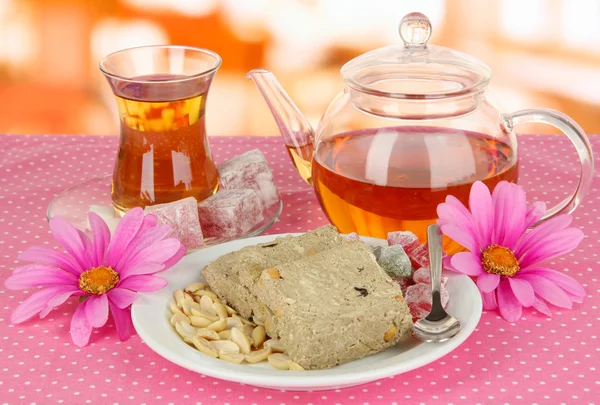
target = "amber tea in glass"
x: 163, y: 151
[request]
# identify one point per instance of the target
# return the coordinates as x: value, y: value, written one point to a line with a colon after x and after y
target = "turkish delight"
x: 351, y: 236
x: 230, y: 213
x: 395, y: 262
x: 406, y: 239
x: 420, y: 256
x: 182, y: 216
x: 404, y: 283
x: 423, y: 275
x: 250, y: 170
x: 418, y: 299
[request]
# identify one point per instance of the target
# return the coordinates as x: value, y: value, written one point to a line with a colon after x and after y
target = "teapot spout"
x: 294, y: 128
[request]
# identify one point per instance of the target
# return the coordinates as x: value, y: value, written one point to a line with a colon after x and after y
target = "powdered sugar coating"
x: 420, y: 256
x: 404, y: 283
x: 406, y: 239
x: 230, y: 213
x: 423, y: 275
x: 418, y: 299
x: 395, y: 262
x: 351, y: 236
x: 250, y: 170
x: 182, y: 216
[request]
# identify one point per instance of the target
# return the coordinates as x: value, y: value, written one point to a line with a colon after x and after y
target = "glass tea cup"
x: 163, y: 152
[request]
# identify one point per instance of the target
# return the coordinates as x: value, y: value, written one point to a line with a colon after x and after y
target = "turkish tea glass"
x: 163, y: 151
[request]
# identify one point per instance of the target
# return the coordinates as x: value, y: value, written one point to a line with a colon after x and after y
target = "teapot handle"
x: 582, y: 145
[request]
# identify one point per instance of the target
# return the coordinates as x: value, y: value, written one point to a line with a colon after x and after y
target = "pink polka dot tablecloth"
x: 539, y: 360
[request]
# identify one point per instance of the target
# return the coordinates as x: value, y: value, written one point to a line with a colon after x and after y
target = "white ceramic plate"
x: 151, y: 315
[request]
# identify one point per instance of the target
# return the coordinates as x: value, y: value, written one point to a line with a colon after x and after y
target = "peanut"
x: 238, y: 337
x: 195, y: 287
x: 207, y: 334
x: 258, y: 355
x: 219, y: 325
x: 280, y: 361
x: 235, y: 358
x: 272, y: 273
x: 390, y: 333
x: 204, y: 346
x: 200, y: 321
x: 179, y: 317
x: 258, y: 336
x: 225, y: 346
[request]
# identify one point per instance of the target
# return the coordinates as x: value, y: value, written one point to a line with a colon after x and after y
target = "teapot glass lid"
x: 416, y: 70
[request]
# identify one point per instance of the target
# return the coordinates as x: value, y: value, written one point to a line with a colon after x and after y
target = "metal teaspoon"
x: 438, y: 326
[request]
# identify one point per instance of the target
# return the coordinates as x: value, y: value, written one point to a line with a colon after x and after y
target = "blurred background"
x: 544, y: 53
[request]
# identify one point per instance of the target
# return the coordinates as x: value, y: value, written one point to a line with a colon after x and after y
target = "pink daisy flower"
x: 505, y: 257
x: 108, y: 272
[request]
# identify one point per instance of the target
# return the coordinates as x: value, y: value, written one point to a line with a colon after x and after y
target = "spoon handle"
x: 434, y: 241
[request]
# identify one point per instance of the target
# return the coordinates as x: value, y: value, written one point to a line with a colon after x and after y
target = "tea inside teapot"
x: 381, y: 180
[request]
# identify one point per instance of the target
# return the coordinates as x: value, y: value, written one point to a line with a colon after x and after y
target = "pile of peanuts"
x: 216, y: 330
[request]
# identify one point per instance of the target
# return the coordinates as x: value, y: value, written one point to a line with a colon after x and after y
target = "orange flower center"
x: 98, y: 280
x: 499, y: 260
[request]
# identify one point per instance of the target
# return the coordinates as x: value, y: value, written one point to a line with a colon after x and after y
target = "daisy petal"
x: 141, y: 268
x: 548, y: 228
x: 575, y: 298
x: 101, y: 236
x: 126, y: 230
x: 96, y: 310
x: 158, y: 252
x: 68, y: 237
x: 121, y: 297
x: 499, y: 197
x: 143, y: 283
x: 143, y: 240
x: 51, y: 257
x: 454, y: 213
x: 175, y: 258
x: 58, y: 300
x: 554, y: 245
x: 122, y: 318
x: 487, y: 282
x: 37, y: 275
x: 150, y: 221
x: 565, y: 282
x: 535, y: 213
x: 489, y: 301
x: 514, y: 216
x: 35, y: 303
x: 467, y: 263
x: 88, y: 249
x: 461, y: 210
x: 522, y: 290
x: 447, y: 264
x: 541, y: 306
x: 549, y: 291
x: 80, y: 327
x: 480, y: 203
x: 509, y: 305
x: 462, y: 235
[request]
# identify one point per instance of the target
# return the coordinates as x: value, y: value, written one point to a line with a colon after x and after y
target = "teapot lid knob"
x: 415, y: 30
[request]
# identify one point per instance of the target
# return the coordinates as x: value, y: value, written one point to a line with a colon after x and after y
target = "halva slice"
x: 333, y: 307
x: 233, y: 276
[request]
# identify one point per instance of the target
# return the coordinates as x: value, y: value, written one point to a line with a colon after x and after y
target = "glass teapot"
x: 412, y: 125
